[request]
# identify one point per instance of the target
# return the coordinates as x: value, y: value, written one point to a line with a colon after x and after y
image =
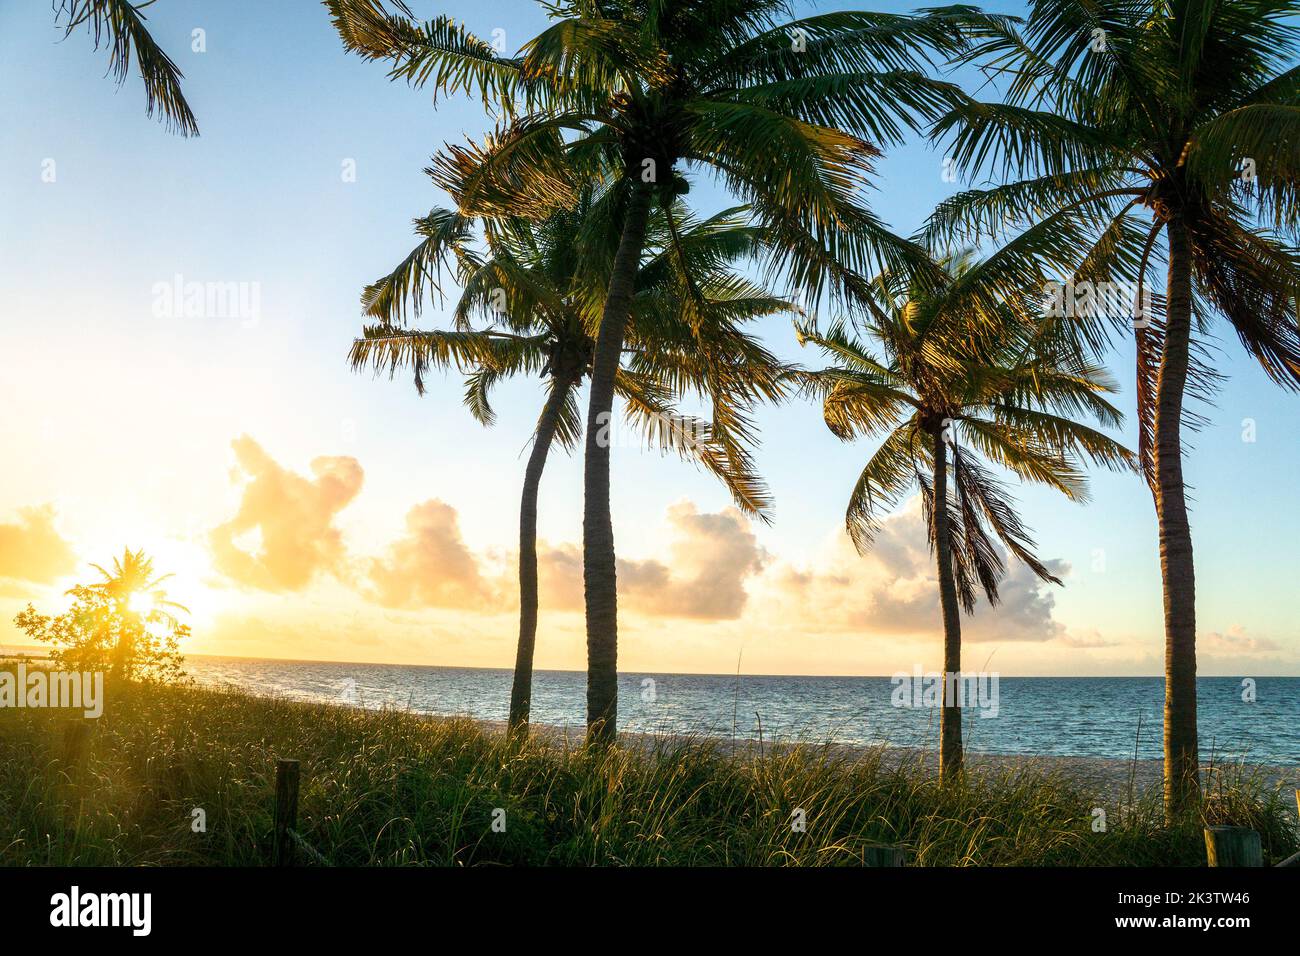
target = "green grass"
x: 393, y: 788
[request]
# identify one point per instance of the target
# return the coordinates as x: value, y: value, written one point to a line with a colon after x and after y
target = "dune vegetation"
x: 397, y: 788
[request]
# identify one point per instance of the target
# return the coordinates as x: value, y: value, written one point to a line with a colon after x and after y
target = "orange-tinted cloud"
x: 559, y: 576
x: 293, y: 517
x: 893, y: 590
x: 430, y: 566
x: 33, y: 550
x: 1236, y: 642
x: 712, y: 556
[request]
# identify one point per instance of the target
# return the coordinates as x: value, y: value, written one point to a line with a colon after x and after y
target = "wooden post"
x: 882, y: 856
x: 1233, y: 846
x: 286, y: 809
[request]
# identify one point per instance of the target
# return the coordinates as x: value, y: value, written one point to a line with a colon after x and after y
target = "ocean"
x: 1054, y: 716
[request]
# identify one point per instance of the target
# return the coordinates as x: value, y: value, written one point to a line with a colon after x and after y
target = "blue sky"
x: 122, y: 421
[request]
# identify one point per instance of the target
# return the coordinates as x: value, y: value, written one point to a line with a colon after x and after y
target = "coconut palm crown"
x: 953, y: 393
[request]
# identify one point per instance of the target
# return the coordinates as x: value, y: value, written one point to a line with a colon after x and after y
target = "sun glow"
x: 142, y: 603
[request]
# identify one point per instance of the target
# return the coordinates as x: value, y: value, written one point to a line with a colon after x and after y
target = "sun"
x: 142, y: 603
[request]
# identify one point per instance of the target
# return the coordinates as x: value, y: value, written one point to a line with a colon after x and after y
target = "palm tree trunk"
x: 598, y: 570
x: 124, y: 647
x: 1176, y: 566
x: 950, y: 750
x: 521, y: 691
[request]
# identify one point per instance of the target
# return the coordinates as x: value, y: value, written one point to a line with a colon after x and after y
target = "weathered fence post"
x: 286, y: 809
x: 1233, y: 846
x: 883, y: 856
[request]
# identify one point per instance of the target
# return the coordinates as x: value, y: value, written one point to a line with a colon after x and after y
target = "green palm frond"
x: 1267, y: 137
x: 838, y: 43
x: 994, y: 211
x: 122, y: 24
x: 977, y: 485
x: 882, y: 483
x: 812, y: 171
x: 1068, y: 438
x: 386, y: 348
x: 880, y: 106
x: 649, y: 410
x: 1030, y: 458
x: 1004, y: 138
x: 973, y: 369
x: 519, y: 170
x: 582, y: 56
x: 439, y: 53
x: 1253, y: 279
x: 445, y: 244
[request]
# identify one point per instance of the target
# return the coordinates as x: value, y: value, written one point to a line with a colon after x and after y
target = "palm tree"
x: 1188, y: 110
x: 138, y: 598
x: 122, y: 23
x: 787, y: 113
x: 539, y: 286
x: 962, y: 373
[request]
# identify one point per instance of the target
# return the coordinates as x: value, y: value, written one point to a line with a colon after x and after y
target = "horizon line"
x: 21, y: 648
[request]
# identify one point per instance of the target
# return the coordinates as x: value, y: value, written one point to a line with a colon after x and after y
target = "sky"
x: 308, y: 512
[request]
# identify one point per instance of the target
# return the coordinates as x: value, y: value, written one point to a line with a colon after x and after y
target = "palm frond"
x: 122, y: 24
x: 439, y: 53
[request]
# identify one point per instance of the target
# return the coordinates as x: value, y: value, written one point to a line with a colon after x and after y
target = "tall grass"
x: 394, y: 788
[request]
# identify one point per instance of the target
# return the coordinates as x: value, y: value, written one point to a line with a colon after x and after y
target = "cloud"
x: 712, y: 555
x: 1089, y: 641
x: 1235, y: 642
x: 893, y: 590
x: 430, y: 566
x: 283, y: 534
x: 559, y: 576
x: 33, y: 550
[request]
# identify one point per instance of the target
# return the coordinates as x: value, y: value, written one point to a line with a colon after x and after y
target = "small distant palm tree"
x: 1188, y: 112
x: 139, y: 598
x: 962, y: 374
x: 122, y: 23
x: 540, y: 288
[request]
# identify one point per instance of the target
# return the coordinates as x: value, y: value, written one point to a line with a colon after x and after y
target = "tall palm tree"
x: 539, y: 286
x: 962, y: 373
x: 122, y: 24
x: 787, y: 112
x: 1187, y: 111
